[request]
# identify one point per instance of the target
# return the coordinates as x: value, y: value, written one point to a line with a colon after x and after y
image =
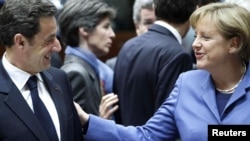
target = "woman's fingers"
x: 107, y: 106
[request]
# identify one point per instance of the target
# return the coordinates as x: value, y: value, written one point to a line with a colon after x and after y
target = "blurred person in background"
x: 85, y: 27
x: 143, y: 17
x: 148, y: 65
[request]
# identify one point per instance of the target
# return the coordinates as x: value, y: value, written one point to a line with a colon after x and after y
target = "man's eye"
x: 148, y: 22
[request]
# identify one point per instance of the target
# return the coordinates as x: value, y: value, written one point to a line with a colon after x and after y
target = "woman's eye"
x: 205, y: 37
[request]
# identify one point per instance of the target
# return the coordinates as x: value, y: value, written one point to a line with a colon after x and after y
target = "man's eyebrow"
x: 51, y: 36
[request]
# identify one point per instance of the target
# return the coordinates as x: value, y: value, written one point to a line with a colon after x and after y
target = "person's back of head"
x: 22, y: 16
x: 174, y: 11
x: 81, y: 13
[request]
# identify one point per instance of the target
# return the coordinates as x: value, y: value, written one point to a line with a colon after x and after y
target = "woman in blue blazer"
x: 216, y: 94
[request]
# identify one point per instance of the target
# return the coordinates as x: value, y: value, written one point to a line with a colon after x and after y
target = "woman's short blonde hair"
x: 230, y: 19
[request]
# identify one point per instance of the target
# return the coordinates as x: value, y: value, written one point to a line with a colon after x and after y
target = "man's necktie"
x: 41, y: 111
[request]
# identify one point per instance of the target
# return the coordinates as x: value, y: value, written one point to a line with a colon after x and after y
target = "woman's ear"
x: 234, y: 44
x: 83, y: 32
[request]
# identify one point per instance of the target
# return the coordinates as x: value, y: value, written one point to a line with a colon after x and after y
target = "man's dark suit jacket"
x: 17, y: 121
x: 146, y: 70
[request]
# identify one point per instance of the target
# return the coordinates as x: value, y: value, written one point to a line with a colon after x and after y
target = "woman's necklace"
x: 231, y: 90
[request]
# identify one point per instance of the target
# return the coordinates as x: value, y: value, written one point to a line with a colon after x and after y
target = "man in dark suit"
x: 1, y: 3
x: 28, y: 32
x: 143, y: 17
x: 148, y: 65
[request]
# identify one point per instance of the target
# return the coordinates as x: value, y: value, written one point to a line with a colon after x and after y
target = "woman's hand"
x: 84, y: 117
x: 108, y: 105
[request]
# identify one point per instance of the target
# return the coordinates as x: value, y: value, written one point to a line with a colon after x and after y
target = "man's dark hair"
x: 205, y: 2
x: 174, y: 11
x: 22, y: 16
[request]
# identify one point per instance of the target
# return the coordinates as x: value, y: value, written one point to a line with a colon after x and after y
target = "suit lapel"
x: 88, y: 70
x: 19, y: 106
x: 208, y: 95
x: 95, y: 80
x: 241, y: 90
x: 56, y: 93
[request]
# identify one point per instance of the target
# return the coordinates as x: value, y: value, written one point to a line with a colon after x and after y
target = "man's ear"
x: 137, y: 29
x: 19, y: 40
x: 234, y: 44
x: 83, y: 32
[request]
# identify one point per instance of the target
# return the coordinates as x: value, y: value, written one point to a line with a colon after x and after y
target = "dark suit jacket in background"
x: 146, y: 70
x: 17, y: 120
x: 85, y: 83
